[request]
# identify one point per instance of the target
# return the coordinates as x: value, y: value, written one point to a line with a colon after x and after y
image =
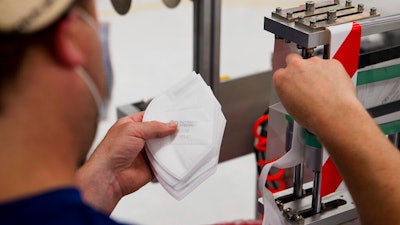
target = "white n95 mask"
x: 182, y: 161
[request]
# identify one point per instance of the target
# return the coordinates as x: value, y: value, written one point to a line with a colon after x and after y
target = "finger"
x: 154, y: 129
x: 147, y: 163
x: 293, y: 57
x: 137, y: 117
x: 280, y: 77
x: 277, y: 76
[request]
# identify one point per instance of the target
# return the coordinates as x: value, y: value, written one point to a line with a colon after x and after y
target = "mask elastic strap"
x: 87, y: 18
x: 92, y: 87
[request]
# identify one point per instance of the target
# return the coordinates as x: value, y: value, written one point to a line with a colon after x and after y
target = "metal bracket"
x: 316, y: 16
x: 337, y: 208
x: 307, y: 29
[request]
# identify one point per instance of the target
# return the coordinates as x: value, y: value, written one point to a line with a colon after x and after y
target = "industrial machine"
x: 307, y: 28
x: 378, y: 86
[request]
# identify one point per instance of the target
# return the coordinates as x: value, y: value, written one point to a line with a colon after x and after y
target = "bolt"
x: 372, y: 12
x: 310, y: 6
x: 307, y: 52
x: 331, y: 14
x: 278, y: 10
x: 301, y: 18
x: 348, y: 3
x: 360, y: 8
x: 313, y: 22
x: 289, y: 15
x: 279, y: 203
x: 288, y: 212
x: 298, y: 219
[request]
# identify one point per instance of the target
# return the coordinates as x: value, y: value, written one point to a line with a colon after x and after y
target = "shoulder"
x: 61, y: 207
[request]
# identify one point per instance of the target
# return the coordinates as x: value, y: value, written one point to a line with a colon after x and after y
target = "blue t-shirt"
x: 59, y: 207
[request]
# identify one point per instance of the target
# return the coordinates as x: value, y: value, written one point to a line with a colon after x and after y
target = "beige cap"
x: 29, y: 16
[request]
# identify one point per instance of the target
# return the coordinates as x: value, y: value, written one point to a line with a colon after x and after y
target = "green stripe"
x: 312, y: 140
x: 391, y: 127
x: 379, y: 74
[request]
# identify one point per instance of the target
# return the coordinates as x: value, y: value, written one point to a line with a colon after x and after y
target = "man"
x: 320, y: 96
x: 52, y: 85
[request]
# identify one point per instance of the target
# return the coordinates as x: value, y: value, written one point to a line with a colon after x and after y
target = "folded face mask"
x: 184, y: 160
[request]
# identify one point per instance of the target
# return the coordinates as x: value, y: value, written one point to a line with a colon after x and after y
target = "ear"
x: 66, y: 46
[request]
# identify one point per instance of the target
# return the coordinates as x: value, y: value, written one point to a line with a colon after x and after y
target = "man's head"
x: 23, y: 23
x: 44, y: 43
x: 27, y: 24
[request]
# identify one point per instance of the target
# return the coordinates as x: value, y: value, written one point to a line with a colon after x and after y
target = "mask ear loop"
x: 82, y: 73
x: 87, y: 18
x: 92, y: 87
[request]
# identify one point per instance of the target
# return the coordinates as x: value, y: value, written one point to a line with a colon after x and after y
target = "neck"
x: 41, y: 138
x: 33, y: 160
x: 27, y: 170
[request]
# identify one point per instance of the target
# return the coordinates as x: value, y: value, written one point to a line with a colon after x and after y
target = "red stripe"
x: 331, y: 178
x: 349, y: 51
x: 348, y: 55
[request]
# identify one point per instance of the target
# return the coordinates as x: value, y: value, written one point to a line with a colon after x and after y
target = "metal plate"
x: 315, y: 15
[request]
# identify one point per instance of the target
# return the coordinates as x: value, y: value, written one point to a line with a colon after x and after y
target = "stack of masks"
x: 182, y: 161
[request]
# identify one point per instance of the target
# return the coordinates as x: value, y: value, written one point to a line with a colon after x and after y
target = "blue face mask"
x: 101, y: 103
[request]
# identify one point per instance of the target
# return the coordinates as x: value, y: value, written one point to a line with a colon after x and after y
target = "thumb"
x: 156, y: 129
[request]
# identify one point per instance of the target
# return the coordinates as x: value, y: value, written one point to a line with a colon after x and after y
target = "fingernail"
x: 172, y: 124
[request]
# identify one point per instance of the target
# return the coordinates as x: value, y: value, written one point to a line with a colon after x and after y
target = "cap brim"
x: 30, y: 16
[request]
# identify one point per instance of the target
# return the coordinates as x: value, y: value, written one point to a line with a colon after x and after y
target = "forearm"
x: 368, y: 162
